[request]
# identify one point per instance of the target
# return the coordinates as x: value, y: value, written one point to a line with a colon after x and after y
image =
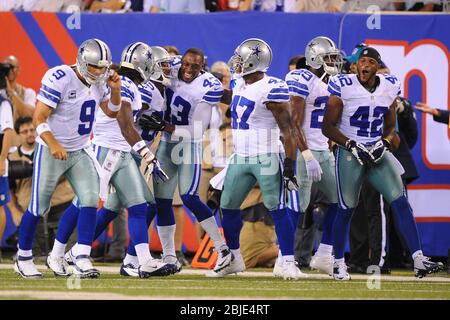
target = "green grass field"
x: 192, y: 284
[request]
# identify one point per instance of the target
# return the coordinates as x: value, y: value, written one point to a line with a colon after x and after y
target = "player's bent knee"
x: 226, y: 202
x: 271, y: 203
x: 88, y: 199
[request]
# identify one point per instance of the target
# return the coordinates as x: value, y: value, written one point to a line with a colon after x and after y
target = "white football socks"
x: 324, y: 250
x: 143, y: 253
x: 210, y: 226
x: 167, y: 237
x: 58, y: 249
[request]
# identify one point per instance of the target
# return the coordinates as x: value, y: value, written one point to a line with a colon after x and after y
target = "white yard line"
x: 311, y: 276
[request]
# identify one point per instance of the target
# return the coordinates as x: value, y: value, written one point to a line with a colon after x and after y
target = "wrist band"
x: 113, y: 107
x: 139, y: 145
x: 43, y: 127
x: 307, y: 155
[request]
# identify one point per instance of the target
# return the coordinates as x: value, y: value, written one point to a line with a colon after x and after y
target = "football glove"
x: 153, y: 167
x: 379, y: 149
x: 290, y: 181
x: 360, y: 152
x: 152, y: 122
x: 313, y: 169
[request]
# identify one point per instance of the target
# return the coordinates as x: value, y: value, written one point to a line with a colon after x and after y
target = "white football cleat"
x: 292, y: 272
x: 129, y: 270
x: 340, y: 272
x: 224, y: 258
x: 423, y: 266
x: 154, y: 268
x: 278, y: 268
x: 70, y: 257
x: 58, y: 265
x: 236, y: 265
x: 173, y: 263
x: 83, y: 267
x: 322, y: 263
x: 26, y: 268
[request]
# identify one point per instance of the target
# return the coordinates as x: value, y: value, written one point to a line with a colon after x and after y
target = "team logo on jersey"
x: 72, y: 94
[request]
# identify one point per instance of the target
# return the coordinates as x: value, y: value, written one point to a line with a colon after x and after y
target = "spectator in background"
x: 411, y: 5
x: 23, y: 99
x: 439, y: 115
x: 21, y: 188
x: 172, y: 50
x: 319, y: 6
x: 175, y: 6
x: 6, y: 125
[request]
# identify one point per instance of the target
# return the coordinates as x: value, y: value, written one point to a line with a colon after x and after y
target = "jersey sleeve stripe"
x: 278, y: 97
x: 51, y: 91
x: 146, y: 92
x: 126, y: 95
x: 333, y: 92
x: 334, y: 86
x: 49, y: 97
x: 214, y: 93
x: 298, y: 85
x: 146, y: 99
x: 279, y: 90
x: 210, y: 99
x: 128, y: 92
x: 301, y: 92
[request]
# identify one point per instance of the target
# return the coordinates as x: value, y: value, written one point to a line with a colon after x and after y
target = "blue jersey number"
x: 360, y: 119
x: 183, y: 106
x: 214, y: 82
x: 58, y: 74
x: 87, y: 116
x: 249, y: 106
x: 317, y: 114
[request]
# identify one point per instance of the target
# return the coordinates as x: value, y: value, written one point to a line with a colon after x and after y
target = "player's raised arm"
x: 112, y: 106
x: 40, y: 118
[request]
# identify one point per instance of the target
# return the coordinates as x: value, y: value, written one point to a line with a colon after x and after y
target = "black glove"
x: 290, y: 181
x: 152, y: 122
x: 379, y: 149
x: 360, y: 152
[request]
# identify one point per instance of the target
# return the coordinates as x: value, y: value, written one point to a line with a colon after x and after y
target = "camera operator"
x: 21, y: 170
x: 6, y: 132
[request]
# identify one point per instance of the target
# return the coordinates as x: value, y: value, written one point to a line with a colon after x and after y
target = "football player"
x: 309, y: 95
x: 113, y: 143
x: 150, y: 96
x: 360, y: 118
x: 67, y: 103
x: 259, y: 110
x: 190, y: 98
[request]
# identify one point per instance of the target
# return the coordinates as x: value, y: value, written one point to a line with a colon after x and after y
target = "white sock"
x: 25, y: 253
x: 58, y: 249
x: 324, y: 250
x: 415, y: 254
x: 236, y: 252
x: 339, y: 261
x: 82, y: 249
x: 279, y: 260
x: 143, y: 253
x: 210, y: 226
x: 289, y: 258
x: 167, y: 237
x: 129, y: 259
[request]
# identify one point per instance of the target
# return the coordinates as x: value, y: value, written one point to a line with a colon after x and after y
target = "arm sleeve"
x: 200, y: 121
x: 52, y: 87
x: 443, y: 116
x: 214, y: 93
x: 277, y: 92
x: 6, y: 116
x: 146, y: 95
x: 334, y: 86
x: 297, y: 87
x: 30, y: 97
x: 126, y: 93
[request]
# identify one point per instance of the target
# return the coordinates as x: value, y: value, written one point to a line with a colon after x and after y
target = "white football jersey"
x: 151, y: 96
x: 305, y: 84
x: 107, y: 131
x: 363, y: 112
x: 74, y: 105
x: 255, y: 130
x: 182, y: 98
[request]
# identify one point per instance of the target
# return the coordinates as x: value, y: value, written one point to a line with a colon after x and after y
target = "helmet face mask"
x: 93, y: 54
x: 162, y: 66
x: 322, y: 52
x: 251, y: 56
